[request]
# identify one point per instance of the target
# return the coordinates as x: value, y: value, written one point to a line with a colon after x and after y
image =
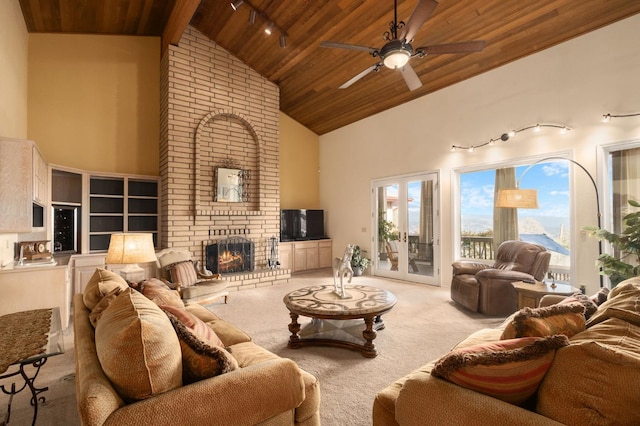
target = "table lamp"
x: 131, y: 249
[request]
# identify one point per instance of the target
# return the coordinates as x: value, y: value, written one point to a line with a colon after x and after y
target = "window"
x: 623, y: 184
x: 482, y: 227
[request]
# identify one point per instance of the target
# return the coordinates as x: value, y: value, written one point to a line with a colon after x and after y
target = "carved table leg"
x: 369, y: 334
x: 294, y: 328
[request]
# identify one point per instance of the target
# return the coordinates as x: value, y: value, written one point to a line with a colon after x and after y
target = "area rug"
x: 423, y: 325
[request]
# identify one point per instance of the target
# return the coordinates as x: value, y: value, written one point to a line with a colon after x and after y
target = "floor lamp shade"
x: 517, y: 198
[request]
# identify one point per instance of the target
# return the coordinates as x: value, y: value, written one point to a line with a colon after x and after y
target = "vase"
x: 357, y: 271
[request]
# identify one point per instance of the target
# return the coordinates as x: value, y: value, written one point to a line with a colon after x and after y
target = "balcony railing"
x: 477, y: 248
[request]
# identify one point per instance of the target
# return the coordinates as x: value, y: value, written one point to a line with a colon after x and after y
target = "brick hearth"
x: 216, y: 110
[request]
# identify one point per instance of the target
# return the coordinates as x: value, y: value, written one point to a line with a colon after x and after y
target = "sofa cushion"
x: 101, y: 282
x: 622, y: 303
x: 137, y: 347
x: 594, y: 380
x: 183, y: 273
x: 548, y: 321
x: 510, y: 370
x: 201, y: 358
x: 227, y: 332
x: 204, y: 288
x: 160, y: 293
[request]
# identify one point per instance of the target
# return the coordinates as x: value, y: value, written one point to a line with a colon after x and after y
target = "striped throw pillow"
x: 510, y: 370
x: 183, y: 273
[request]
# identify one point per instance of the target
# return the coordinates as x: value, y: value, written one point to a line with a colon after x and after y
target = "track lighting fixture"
x: 255, y: 13
x: 269, y: 28
x: 607, y: 117
x: 506, y: 136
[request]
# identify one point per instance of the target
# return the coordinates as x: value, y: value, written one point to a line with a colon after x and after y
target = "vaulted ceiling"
x: 309, y: 76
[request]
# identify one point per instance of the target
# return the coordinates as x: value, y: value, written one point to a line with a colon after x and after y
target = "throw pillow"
x: 590, y: 306
x: 101, y: 282
x: 195, y: 325
x: 158, y: 292
x: 138, y: 348
x: 541, y: 322
x: 103, y: 304
x: 601, y: 296
x: 200, y: 359
x: 183, y: 273
x: 510, y: 370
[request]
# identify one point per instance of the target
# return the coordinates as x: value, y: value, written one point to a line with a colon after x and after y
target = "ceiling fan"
x: 397, y: 51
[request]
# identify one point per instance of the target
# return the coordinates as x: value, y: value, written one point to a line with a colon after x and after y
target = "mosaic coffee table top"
x: 322, y: 300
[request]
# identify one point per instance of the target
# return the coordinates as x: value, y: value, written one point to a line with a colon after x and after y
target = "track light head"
x: 236, y: 4
x: 269, y: 28
x: 252, y: 16
x: 283, y: 41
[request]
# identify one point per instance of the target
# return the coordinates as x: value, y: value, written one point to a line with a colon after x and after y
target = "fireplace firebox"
x: 231, y: 255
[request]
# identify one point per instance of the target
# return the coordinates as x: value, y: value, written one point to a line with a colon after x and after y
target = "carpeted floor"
x: 423, y: 325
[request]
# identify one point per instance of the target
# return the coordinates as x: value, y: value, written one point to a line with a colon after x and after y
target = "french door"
x: 404, y: 212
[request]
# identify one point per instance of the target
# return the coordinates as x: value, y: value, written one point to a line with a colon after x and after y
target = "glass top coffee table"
x: 336, y: 321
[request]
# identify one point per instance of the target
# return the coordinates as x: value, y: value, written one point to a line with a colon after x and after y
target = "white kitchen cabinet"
x: 16, y: 185
x: 40, y: 178
x: 36, y: 287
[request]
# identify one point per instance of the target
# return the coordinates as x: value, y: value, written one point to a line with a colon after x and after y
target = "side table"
x: 54, y: 346
x: 529, y: 294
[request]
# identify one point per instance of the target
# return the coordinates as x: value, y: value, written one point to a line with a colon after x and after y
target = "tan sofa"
x: 265, y: 389
x: 593, y: 380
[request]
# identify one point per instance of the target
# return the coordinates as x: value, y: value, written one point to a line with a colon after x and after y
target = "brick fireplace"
x: 216, y: 111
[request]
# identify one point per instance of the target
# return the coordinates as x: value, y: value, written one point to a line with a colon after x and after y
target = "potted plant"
x: 627, y: 243
x: 359, y: 261
x: 386, y: 232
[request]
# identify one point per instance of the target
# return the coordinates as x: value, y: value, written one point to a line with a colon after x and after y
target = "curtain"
x: 426, y: 223
x: 505, y: 220
x: 625, y: 172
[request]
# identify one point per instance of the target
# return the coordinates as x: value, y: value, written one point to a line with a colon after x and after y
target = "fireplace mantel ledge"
x: 231, y: 213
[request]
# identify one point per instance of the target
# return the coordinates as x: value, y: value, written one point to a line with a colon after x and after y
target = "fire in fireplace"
x: 234, y: 254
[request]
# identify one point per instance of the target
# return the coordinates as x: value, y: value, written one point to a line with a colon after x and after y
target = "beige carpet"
x: 422, y: 326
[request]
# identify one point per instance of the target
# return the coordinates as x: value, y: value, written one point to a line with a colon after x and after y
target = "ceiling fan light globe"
x: 396, y: 60
x: 395, y: 54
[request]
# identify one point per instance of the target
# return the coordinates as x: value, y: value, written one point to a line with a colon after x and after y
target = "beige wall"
x: 573, y: 83
x: 299, y: 166
x: 13, y: 71
x: 93, y: 101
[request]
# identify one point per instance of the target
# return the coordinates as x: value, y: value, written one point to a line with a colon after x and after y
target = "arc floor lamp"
x: 528, y: 198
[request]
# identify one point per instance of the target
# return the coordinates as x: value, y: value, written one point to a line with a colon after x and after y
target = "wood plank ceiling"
x: 309, y: 75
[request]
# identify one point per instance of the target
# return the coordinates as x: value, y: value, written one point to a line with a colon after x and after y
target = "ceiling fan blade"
x: 410, y: 77
x: 359, y: 76
x: 338, y: 45
x: 461, y: 47
x: 419, y: 16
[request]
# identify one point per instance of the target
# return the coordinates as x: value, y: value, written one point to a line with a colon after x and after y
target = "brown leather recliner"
x: 487, y: 289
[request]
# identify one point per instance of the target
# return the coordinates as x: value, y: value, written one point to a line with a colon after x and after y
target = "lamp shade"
x: 517, y: 198
x: 131, y: 248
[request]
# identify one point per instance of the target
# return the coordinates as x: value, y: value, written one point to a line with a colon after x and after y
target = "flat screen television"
x: 301, y: 224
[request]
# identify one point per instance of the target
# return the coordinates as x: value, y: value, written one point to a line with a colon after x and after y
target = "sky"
x: 550, y: 179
